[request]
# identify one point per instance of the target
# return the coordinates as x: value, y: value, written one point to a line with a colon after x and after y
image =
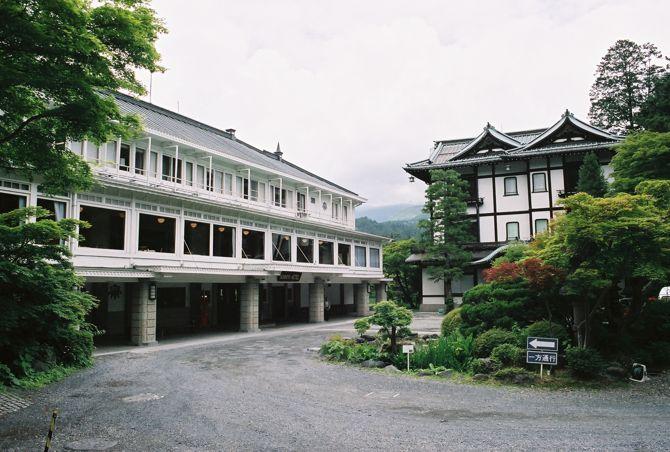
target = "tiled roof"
x: 180, y: 127
x: 454, y: 153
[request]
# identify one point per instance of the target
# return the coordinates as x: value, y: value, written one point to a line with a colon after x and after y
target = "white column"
x: 362, y: 299
x: 316, y: 301
x: 143, y: 315
x: 249, y: 307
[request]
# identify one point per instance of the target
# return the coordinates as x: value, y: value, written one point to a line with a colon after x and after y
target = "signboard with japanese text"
x: 535, y: 357
x: 289, y: 276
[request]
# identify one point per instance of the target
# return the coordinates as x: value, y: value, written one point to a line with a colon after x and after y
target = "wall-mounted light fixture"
x: 221, y: 228
x: 508, y: 167
x: 152, y: 291
x: 160, y: 220
x: 411, y: 179
x: 193, y: 225
x: 245, y: 231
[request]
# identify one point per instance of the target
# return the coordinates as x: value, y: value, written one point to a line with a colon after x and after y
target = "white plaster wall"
x: 540, y: 199
x: 431, y: 287
x: 556, y: 184
x: 540, y: 215
x: 485, y: 187
x: 512, y: 203
x: 486, y: 229
x: 524, y: 227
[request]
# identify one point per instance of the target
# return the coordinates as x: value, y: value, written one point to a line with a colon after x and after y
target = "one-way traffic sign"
x: 542, y: 343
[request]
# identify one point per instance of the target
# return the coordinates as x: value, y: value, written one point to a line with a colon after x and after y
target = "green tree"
x: 390, y: 318
x: 600, y: 242
x: 625, y: 77
x: 591, y: 178
x: 447, y: 230
x: 43, y: 321
x: 406, y: 284
x: 655, y: 112
x: 641, y: 156
x: 59, y: 60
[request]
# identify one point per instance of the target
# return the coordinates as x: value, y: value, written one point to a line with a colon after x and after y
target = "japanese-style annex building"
x: 515, y: 181
x: 193, y: 229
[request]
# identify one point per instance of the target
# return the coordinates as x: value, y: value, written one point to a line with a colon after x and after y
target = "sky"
x: 353, y: 90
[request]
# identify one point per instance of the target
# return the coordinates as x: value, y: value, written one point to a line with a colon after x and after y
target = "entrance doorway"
x: 228, y: 306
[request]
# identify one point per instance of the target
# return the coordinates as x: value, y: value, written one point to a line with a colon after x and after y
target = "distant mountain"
x: 395, y: 229
x: 392, y: 212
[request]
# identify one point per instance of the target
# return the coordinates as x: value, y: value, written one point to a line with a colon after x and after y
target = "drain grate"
x: 10, y: 403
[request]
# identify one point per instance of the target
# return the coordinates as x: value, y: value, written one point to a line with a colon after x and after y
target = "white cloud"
x: 353, y: 90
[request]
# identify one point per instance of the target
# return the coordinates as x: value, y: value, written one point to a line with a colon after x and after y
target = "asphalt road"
x: 268, y: 392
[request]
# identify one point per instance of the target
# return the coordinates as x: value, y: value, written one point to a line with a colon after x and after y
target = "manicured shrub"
x: 585, y: 363
x: 451, y: 322
x: 544, y: 328
x: 488, y: 340
x: 508, y: 355
x: 485, y: 366
x: 362, y: 325
x: 516, y: 375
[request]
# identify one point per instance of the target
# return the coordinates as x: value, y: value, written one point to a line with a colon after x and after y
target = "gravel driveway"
x: 269, y: 393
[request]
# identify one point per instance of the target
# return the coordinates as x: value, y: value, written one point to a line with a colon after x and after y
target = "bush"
x: 488, y: 340
x: 514, y: 375
x: 544, y: 328
x: 484, y: 366
x: 337, y: 348
x: 451, y: 322
x: 452, y: 352
x: 584, y: 363
x: 362, y: 325
x: 508, y: 355
x: 363, y: 352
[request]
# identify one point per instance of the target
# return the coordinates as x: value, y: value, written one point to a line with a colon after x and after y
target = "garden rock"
x: 373, y: 364
x: 446, y: 373
x: 391, y: 368
x: 430, y: 336
x: 615, y: 372
x: 521, y: 379
x: 480, y: 377
x: 424, y: 373
x: 367, y: 338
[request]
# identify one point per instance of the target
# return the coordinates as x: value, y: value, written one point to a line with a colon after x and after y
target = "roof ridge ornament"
x: 278, y: 152
x: 567, y: 113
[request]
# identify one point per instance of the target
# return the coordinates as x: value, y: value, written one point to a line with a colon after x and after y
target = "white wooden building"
x: 515, y: 181
x: 194, y: 229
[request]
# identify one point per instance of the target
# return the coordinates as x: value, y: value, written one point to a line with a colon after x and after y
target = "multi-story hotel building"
x: 193, y: 229
x: 515, y: 180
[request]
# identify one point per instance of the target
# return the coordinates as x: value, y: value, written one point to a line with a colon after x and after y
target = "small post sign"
x: 542, y: 350
x: 408, y: 349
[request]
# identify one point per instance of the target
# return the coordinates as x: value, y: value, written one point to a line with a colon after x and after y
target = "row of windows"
x: 539, y: 184
x: 192, y: 174
x: 512, y: 228
x: 158, y: 233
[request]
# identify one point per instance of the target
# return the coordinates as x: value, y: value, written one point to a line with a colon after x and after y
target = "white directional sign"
x: 541, y: 357
x: 542, y: 343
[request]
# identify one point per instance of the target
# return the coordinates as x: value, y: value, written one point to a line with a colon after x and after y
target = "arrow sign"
x: 542, y: 343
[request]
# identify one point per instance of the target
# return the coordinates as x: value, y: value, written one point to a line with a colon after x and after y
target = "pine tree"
x: 591, y: 178
x: 655, y: 112
x: 625, y: 77
x: 447, y: 230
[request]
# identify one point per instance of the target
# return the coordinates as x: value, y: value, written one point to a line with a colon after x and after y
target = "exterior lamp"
x: 245, y: 231
x: 221, y: 228
x: 160, y: 220
x: 508, y: 167
x: 304, y: 242
x: 122, y: 215
x: 193, y: 225
x: 152, y: 291
x: 286, y: 237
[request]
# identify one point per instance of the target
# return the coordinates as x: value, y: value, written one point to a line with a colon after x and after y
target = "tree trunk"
x: 393, y: 340
x: 579, y: 322
x: 448, y: 297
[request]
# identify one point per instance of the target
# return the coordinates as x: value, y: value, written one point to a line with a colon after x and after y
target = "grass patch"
x: 38, y: 380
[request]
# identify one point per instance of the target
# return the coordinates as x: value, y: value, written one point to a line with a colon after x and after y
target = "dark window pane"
x: 325, y: 252
x: 281, y: 247
x: 305, y: 250
x: 343, y: 254
x: 9, y: 202
x: 224, y: 241
x: 124, y: 158
x: 253, y: 244
x: 361, y: 257
x: 374, y: 257
x: 196, y: 238
x: 156, y: 233
x: 107, y: 229
x: 57, y: 208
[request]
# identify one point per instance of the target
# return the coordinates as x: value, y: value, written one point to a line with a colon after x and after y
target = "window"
x: 139, y: 160
x: 361, y: 256
x: 281, y: 247
x: 261, y: 192
x: 336, y: 211
x: 539, y: 182
x: 541, y: 225
x: 200, y: 176
x: 510, y: 186
x: 325, y: 252
x: 228, y: 183
x: 513, y: 230
x: 305, y: 250
x: 196, y: 238
x: 157, y: 234
x: 343, y: 254
x: 301, y: 202
x: 57, y: 208
x: 188, y: 173
x: 474, y: 230
x: 172, y: 169
x: 110, y: 154
x: 253, y: 244
x: 107, y: 229
x: 224, y: 241
x: 254, y: 189
x: 313, y: 200
x: 209, y: 175
x: 279, y: 196
x: 124, y: 158
x: 91, y: 152
x: 153, y: 164
x: 345, y: 213
x: 374, y: 257
x: 9, y: 202
x: 218, y: 181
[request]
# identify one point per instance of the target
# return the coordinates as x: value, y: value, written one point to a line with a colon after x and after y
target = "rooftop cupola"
x: 231, y: 132
x: 278, y: 152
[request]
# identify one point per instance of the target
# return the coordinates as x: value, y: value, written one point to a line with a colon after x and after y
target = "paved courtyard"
x: 269, y: 392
